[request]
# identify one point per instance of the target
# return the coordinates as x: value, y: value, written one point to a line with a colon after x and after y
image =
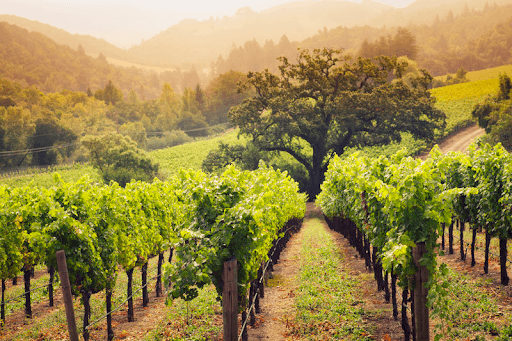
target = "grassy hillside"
x: 191, y: 155
x: 487, y: 74
x: 458, y: 100
x: 45, y: 178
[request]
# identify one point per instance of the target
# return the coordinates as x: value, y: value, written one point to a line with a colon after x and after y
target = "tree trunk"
x: 367, y: 253
x: 108, y: 298
x: 413, y: 316
x: 503, y: 260
x: 377, y: 269
x: 450, y: 239
x: 86, y: 296
x: 51, y: 270
x: 393, y: 296
x: 473, y: 243
x: 316, y: 177
x: 443, y: 225
x: 131, y: 317
x: 421, y: 277
x: 245, y: 335
x: 15, y: 280
x: 28, y: 305
x: 171, y: 251
x: 387, y: 294
x: 405, y: 321
x: 261, y: 287
x: 144, y: 275
x: 252, y: 316
x: 487, y: 245
x: 2, y: 308
x: 158, y: 287
x: 462, y: 254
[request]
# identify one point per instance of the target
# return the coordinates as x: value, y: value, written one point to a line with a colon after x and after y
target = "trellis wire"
x: 17, y: 298
x: 121, y: 305
x: 479, y: 248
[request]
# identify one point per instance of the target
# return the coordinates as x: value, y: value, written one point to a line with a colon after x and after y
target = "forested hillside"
x: 31, y: 58
x: 92, y: 45
x: 473, y: 40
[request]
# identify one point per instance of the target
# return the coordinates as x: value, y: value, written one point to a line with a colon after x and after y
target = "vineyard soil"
x: 275, y: 321
x: 492, y: 279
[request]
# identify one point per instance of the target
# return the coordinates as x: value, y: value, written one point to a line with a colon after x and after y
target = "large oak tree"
x: 326, y: 101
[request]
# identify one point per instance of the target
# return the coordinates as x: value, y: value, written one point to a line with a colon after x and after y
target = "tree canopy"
x: 326, y: 102
x: 118, y: 158
x: 495, y: 115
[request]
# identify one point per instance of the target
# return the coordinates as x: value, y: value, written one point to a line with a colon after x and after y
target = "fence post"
x: 230, y: 300
x: 420, y: 294
x: 66, y: 294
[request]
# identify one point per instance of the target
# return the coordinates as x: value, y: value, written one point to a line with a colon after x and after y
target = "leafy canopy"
x: 118, y: 158
x: 326, y: 102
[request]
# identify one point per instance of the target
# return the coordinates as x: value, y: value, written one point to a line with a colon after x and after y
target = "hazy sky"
x: 127, y: 22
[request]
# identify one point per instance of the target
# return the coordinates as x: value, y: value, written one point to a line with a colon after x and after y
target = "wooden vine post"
x: 66, y: 294
x: 230, y: 300
x: 420, y: 294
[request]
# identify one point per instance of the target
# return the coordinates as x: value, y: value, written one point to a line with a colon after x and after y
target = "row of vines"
x: 106, y: 229
x: 394, y: 210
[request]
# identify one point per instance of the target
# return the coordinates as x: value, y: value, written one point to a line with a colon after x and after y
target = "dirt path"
x: 277, y: 308
x: 460, y: 141
x: 277, y: 305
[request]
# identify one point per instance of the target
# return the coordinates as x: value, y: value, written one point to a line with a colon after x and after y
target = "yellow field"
x: 458, y: 100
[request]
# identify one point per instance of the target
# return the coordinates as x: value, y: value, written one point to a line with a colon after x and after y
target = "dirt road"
x: 460, y: 141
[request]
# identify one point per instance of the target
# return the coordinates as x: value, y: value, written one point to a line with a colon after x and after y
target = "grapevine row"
x: 397, y: 205
x: 204, y: 219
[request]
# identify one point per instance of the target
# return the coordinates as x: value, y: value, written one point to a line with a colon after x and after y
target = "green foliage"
x: 397, y: 202
x: 326, y: 102
x: 13, y: 236
x: 237, y: 214
x: 495, y: 114
x: 191, y: 155
x: 505, y: 87
x: 246, y: 157
x: 37, y: 60
x: 49, y: 133
x: 168, y: 139
x: 222, y: 94
x: 403, y: 43
x: 459, y: 77
x: 118, y: 158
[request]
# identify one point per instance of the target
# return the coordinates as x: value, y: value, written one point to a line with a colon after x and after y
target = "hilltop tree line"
x: 472, y: 40
x: 32, y: 59
x: 39, y: 128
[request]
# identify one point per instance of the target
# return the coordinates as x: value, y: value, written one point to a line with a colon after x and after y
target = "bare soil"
x: 460, y: 141
x: 278, y: 305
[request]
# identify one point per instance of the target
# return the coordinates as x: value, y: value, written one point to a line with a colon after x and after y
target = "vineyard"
x: 405, y: 218
x: 105, y: 230
x: 394, y: 211
x: 400, y: 214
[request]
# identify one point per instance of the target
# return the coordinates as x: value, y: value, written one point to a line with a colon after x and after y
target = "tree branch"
x: 294, y: 154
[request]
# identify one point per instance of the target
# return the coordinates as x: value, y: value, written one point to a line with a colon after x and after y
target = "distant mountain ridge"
x: 91, y: 45
x: 197, y: 41
x: 193, y: 42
